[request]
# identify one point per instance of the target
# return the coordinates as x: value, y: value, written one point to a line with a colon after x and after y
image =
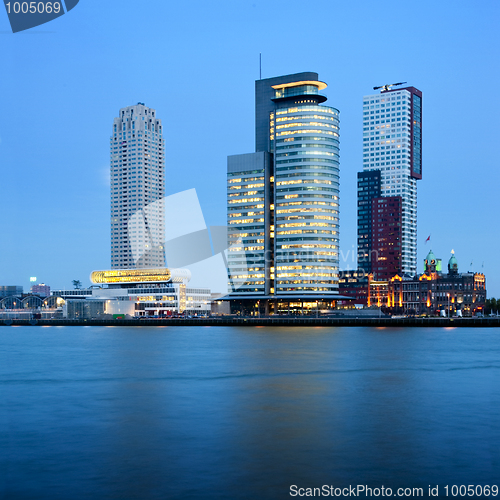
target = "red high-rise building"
x: 386, y: 256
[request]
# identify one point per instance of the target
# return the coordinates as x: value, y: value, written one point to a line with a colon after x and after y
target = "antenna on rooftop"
x: 385, y: 88
x: 260, y: 65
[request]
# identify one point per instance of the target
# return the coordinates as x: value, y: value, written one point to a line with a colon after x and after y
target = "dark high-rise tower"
x: 368, y: 189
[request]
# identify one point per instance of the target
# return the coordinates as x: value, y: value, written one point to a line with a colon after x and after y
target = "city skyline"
x: 66, y: 166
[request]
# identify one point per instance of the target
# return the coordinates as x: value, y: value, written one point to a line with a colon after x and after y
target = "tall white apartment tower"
x: 137, y: 175
x: 392, y: 144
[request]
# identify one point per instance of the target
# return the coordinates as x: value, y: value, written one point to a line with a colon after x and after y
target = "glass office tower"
x: 283, y: 200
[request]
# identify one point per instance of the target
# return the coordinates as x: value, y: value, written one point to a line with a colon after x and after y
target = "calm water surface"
x: 228, y: 413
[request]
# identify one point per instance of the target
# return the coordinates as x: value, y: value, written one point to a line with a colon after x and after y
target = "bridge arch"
x: 32, y: 302
x: 11, y: 303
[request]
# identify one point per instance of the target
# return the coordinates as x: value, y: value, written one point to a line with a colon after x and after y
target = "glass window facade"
x: 283, y: 200
x: 306, y: 152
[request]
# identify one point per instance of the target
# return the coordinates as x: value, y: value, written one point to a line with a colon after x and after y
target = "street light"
x: 448, y: 305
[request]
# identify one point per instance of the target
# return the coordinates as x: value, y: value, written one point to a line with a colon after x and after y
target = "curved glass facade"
x: 283, y: 200
x: 306, y: 193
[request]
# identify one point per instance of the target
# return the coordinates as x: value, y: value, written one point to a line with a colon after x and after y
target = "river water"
x: 229, y: 413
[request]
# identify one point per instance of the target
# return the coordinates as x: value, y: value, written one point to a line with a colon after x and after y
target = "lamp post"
x: 448, y: 305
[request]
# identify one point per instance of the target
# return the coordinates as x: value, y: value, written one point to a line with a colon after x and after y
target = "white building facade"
x: 158, y: 292
x: 137, y: 178
x: 392, y: 144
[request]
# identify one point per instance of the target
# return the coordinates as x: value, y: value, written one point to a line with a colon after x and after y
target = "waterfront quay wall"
x: 265, y: 321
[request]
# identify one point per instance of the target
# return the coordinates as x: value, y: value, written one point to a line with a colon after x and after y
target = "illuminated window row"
x: 306, y: 152
x: 309, y: 240
x: 305, y: 275
x: 235, y: 232
x: 151, y: 298
x: 305, y: 196
x: 327, y: 266
x: 330, y: 161
x: 245, y: 200
x: 295, y: 268
x: 309, y: 131
x: 304, y: 124
x: 305, y: 210
x: 307, y: 231
x: 314, y: 285
x: 308, y: 245
x: 246, y: 207
x: 311, y: 188
x: 244, y: 179
x: 247, y: 241
x: 294, y: 256
x: 304, y: 181
x: 306, y: 117
x: 307, y: 217
x: 306, y: 225
x: 247, y: 186
x: 315, y: 109
x: 331, y: 171
x: 307, y: 143
x: 245, y: 221
x: 253, y: 248
x: 247, y: 193
x: 321, y: 203
x: 249, y: 235
x: 244, y: 277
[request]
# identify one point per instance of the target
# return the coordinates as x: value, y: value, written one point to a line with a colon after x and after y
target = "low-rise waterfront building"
x: 42, y: 290
x: 137, y: 293
x: 432, y: 291
x: 354, y: 284
x: 11, y: 291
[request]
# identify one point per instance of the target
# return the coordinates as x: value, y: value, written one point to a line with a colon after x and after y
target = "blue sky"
x: 196, y: 62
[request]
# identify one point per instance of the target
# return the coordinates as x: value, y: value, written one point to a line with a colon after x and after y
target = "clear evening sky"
x: 195, y: 62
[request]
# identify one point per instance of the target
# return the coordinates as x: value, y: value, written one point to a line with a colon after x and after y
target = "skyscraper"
x: 368, y: 189
x: 137, y: 176
x: 392, y: 145
x: 283, y: 200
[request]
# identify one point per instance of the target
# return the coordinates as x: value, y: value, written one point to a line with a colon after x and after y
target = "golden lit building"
x: 431, y: 291
x: 137, y: 292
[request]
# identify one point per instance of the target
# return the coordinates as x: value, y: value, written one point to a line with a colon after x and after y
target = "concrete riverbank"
x: 266, y: 321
